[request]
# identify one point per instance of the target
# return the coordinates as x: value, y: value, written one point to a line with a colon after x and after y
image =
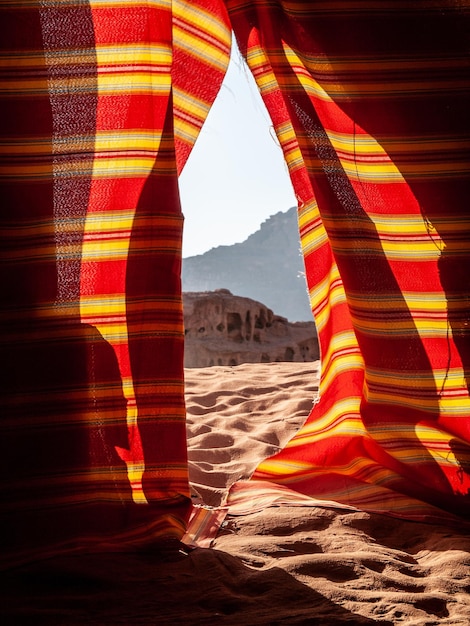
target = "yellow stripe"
x: 312, y: 238
x: 416, y: 251
x: 339, y: 364
x: 342, y: 418
x: 209, y: 54
x: 190, y: 104
x: 322, y: 290
x: 32, y: 59
x: 288, y: 140
x: 445, y: 406
x: 391, y: 225
x: 206, y: 21
x: 132, y: 69
x: 133, y: 167
x: 325, y: 295
x: 133, y: 83
x: 388, y: 172
x: 118, y: 250
x: 107, y: 4
x: 114, y: 305
x: 422, y: 437
x: 363, y: 144
x: 322, y: 315
x: 386, y: 328
x: 127, y: 139
x: 361, y: 468
x: 157, y: 55
x: 435, y: 302
x: 131, y: 139
x: 343, y: 346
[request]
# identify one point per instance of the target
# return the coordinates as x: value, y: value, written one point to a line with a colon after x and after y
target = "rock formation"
x: 268, y: 266
x: 224, y: 329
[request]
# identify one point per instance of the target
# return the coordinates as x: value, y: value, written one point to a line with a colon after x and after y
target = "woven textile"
x: 101, y: 102
x: 370, y: 102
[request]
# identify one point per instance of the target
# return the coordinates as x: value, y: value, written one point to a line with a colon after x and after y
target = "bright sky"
x: 235, y: 177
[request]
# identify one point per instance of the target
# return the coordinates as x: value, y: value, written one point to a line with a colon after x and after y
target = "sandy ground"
x: 282, y: 565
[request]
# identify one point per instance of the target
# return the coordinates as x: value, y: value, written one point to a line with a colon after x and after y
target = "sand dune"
x: 238, y: 416
x: 353, y: 565
x: 290, y: 565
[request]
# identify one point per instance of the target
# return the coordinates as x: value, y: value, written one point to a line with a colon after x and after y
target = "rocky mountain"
x: 223, y: 329
x: 268, y: 267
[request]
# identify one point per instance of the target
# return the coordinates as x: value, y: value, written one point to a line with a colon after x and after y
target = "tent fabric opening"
x: 370, y: 104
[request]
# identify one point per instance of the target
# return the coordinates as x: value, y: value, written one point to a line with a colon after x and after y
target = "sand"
x: 281, y: 565
x: 238, y: 416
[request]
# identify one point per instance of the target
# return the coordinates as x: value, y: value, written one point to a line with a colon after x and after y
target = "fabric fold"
x: 370, y: 104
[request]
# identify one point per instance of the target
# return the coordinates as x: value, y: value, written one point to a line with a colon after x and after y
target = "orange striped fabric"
x: 370, y: 102
x: 101, y: 102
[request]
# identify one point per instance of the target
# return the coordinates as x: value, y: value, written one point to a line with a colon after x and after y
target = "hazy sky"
x: 235, y: 177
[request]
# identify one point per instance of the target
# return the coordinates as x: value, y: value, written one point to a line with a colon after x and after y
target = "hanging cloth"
x: 100, y: 105
x: 370, y: 103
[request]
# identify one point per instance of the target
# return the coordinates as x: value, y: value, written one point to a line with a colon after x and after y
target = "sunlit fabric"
x: 101, y: 102
x: 370, y: 102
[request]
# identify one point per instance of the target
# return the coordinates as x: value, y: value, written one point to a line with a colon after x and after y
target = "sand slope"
x: 282, y: 565
x: 237, y: 416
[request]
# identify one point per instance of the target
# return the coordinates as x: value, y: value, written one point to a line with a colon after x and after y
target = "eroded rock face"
x: 246, y: 268
x: 223, y: 329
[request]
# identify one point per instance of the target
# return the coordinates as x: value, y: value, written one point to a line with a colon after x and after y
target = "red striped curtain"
x: 101, y: 102
x: 370, y: 102
x: 100, y: 105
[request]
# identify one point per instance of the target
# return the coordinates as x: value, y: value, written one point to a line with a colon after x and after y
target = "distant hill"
x: 268, y: 267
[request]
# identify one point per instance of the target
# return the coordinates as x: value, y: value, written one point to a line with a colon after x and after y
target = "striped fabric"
x: 370, y: 102
x: 101, y: 101
x: 99, y: 108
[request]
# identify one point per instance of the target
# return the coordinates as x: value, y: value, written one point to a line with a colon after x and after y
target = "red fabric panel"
x: 370, y: 102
